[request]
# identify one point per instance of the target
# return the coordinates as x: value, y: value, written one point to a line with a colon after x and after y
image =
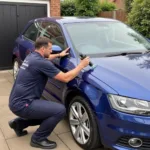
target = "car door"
x: 26, y: 41
x: 54, y: 32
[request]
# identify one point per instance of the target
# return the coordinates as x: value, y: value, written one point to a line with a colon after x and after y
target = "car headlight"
x: 129, y: 105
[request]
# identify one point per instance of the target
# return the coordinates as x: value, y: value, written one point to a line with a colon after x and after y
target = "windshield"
x: 97, y: 38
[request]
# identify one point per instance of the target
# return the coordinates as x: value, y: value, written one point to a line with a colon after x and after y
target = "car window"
x: 53, y: 32
x: 31, y: 32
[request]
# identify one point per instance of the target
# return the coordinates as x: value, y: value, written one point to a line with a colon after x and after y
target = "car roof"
x: 64, y: 20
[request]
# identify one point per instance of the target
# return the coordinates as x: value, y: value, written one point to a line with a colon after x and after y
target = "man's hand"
x: 64, y: 52
x: 68, y: 76
x: 85, y: 62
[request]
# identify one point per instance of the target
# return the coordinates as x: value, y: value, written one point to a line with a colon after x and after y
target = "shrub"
x: 87, y: 7
x: 68, y: 8
x: 107, y: 6
x: 139, y: 17
x: 128, y: 5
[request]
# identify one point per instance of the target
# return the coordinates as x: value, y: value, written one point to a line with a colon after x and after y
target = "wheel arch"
x: 71, y: 93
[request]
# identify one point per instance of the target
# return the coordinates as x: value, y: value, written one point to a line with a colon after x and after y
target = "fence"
x: 117, y: 14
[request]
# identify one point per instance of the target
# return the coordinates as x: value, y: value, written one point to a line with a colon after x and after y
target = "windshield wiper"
x: 122, y: 54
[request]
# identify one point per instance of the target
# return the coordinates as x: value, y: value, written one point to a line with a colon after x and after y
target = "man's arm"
x: 66, y: 77
x: 53, y: 56
x: 62, y: 54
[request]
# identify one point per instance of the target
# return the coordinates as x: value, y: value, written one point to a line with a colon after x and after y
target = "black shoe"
x: 19, y: 132
x: 45, y: 144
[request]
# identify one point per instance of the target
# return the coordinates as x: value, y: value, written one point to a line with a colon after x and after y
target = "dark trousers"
x: 47, y: 114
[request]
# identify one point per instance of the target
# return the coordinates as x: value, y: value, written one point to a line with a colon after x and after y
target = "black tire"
x: 94, y: 139
x: 16, y: 60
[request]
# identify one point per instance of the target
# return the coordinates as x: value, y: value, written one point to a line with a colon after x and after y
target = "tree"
x: 87, y: 7
x: 139, y: 17
x: 68, y: 8
x: 128, y: 5
x: 107, y: 6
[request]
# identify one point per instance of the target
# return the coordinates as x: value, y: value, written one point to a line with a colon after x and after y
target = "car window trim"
x: 61, y: 32
x: 28, y: 39
x: 26, y: 31
x: 59, y: 27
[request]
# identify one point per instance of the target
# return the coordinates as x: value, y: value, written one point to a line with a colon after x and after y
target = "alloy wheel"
x: 79, y: 122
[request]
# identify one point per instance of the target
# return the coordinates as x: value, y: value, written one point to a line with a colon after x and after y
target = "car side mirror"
x: 56, y: 49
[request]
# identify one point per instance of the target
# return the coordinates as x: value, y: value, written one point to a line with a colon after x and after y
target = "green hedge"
x: 87, y: 7
x: 68, y: 8
x: 139, y: 17
x: 128, y: 5
x: 107, y: 6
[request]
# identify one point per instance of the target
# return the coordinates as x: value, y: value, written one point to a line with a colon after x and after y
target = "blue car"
x: 108, y: 103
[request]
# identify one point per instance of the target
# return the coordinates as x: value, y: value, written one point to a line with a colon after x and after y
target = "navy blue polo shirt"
x: 31, y: 80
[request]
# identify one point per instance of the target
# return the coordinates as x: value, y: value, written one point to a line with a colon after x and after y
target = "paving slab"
x: 62, y: 127
x: 23, y: 143
x: 3, y: 145
x: 4, y: 100
x: 69, y: 141
x: 8, y: 138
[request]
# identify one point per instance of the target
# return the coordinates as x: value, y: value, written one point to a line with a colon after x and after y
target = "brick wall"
x: 119, y: 3
x: 54, y: 8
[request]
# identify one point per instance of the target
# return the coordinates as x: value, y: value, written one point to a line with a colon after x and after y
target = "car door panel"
x: 54, y: 86
x: 25, y: 47
x: 51, y: 30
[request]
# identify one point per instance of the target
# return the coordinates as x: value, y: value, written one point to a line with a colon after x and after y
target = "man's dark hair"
x: 42, y: 41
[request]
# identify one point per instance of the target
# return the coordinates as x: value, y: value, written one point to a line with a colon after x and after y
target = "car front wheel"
x: 83, y: 124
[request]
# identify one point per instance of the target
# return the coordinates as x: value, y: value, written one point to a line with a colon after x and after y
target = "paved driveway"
x: 8, y: 139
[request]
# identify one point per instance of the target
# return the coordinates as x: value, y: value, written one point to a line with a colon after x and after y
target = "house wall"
x: 55, y: 8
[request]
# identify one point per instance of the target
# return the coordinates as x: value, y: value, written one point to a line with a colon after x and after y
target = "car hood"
x: 127, y: 75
